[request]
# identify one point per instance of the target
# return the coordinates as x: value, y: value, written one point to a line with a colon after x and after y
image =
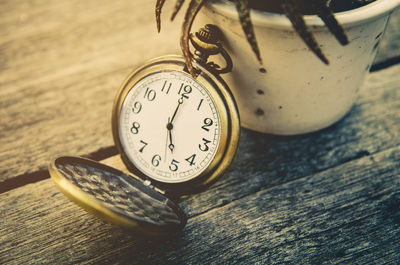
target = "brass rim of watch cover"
x: 116, y: 197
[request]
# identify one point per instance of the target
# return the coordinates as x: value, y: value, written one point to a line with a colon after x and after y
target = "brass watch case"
x: 226, y: 107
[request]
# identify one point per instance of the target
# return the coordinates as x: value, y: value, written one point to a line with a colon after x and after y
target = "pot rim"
x: 349, y: 18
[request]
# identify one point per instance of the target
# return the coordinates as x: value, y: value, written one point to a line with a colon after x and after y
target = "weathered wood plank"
x: 61, y: 64
x: 346, y: 214
x: 56, y: 59
x: 329, y: 217
x: 264, y: 161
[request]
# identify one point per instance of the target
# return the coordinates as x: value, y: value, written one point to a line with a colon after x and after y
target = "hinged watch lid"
x: 116, y: 197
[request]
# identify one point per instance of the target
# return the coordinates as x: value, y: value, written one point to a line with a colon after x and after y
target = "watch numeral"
x: 135, y: 128
x: 144, y: 145
x: 137, y: 107
x: 201, y: 101
x: 164, y: 87
x: 204, y: 147
x: 187, y: 90
x: 156, y: 160
x: 207, y: 123
x: 150, y: 94
x: 174, y: 165
x: 190, y: 159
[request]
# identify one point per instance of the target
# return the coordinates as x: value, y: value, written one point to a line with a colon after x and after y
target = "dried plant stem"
x: 291, y: 8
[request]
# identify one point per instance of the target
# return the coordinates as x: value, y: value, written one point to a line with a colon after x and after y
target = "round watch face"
x: 169, y: 126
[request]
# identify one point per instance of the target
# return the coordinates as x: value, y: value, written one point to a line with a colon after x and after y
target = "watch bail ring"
x: 206, y: 42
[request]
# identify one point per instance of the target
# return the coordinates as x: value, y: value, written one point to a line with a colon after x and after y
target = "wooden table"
x: 328, y: 197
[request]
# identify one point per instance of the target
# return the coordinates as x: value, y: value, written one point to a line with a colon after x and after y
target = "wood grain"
x: 321, y: 198
x: 346, y: 214
x: 265, y: 161
x: 60, y: 66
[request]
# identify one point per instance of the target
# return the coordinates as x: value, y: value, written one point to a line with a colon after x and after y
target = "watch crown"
x: 206, y: 42
x: 209, y: 34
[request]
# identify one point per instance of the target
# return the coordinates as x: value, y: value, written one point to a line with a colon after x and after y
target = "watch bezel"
x: 226, y: 107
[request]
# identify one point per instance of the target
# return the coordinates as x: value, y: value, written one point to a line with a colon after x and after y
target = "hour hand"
x: 169, y: 128
x: 171, y: 145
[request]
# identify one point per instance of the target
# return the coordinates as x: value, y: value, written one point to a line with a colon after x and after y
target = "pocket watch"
x: 175, y: 133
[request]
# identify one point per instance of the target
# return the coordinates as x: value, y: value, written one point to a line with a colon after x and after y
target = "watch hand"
x: 180, y: 101
x: 171, y: 145
x: 169, y: 128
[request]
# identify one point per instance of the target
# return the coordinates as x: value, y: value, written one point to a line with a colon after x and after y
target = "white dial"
x: 169, y: 126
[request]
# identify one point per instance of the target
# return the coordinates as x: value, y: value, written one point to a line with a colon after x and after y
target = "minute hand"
x: 180, y: 101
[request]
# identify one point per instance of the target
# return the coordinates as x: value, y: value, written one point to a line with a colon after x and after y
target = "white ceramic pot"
x: 297, y: 93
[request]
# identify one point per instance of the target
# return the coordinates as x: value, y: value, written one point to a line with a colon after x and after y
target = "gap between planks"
x: 261, y: 189
x: 20, y: 163
x: 22, y: 180
x: 327, y: 208
x: 108, y: 152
